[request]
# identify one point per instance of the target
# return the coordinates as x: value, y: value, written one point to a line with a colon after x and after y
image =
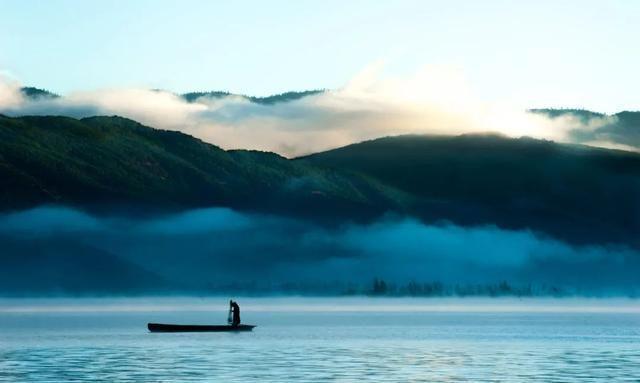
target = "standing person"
x: 235, y: 310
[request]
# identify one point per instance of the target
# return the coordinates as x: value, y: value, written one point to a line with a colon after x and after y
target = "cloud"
x: 433, y: 100
x: 10, y: 96
x: 219, y: 246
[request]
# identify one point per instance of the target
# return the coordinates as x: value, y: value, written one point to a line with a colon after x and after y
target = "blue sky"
x: 543, y: 53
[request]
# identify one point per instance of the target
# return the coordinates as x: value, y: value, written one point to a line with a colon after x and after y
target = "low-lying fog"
x: 205, y: 249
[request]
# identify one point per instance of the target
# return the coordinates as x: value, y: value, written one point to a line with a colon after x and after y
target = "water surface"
x: 323, y: 339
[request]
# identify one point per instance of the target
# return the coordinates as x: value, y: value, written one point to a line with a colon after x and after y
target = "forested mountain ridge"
x: 115, y: 161
x: 575, y: 192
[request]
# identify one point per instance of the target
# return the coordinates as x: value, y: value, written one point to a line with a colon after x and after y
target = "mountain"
x: 131, y: 219
x: 37, y: 93
x: 64, y: 266
x: 268, y: 100
x: 622, y: 128
x: 572, y: 192
x: 34, y: 93
x: 104, y: 162
x: 577, y: 193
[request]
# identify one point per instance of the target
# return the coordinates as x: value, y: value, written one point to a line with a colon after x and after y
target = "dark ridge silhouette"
x: 622, y: 128
x: 34, y: 93
x: 106, y: 162
x: 574, y: 192
x: 37, y: 93
x: 268, y: 100
x: 53, y: 266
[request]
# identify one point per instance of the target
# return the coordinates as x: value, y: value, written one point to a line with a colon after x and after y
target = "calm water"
x: 319, y: 340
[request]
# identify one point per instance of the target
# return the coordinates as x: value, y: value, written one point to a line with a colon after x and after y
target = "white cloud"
x: 434, y: 100
x: 10, y: 96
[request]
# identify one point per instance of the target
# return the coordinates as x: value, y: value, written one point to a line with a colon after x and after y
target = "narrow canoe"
x: 160, y: 327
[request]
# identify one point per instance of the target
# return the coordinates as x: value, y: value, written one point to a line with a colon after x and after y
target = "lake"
x: 322, y: 339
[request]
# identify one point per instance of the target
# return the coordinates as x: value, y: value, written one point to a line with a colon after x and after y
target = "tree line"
x: 379, y: 287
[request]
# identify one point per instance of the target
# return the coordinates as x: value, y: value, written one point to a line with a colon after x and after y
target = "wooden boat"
x: 160, y: 327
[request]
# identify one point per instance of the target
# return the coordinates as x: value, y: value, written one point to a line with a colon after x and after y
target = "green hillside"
x: 108, y: 161
x: 574, y: 192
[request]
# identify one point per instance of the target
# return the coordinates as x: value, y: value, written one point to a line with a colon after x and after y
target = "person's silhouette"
x: 234, y: 308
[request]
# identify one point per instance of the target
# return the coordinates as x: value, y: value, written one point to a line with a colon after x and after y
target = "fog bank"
x: 216, y: 247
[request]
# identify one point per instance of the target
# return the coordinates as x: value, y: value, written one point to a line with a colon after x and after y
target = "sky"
x: 536, y: 54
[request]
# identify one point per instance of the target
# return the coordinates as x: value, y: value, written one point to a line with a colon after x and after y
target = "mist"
x: 210, y: 249
x: 431, y: 100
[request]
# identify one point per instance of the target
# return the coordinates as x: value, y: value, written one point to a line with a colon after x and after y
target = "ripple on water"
x: 307, y: 347
x: 428, y: 362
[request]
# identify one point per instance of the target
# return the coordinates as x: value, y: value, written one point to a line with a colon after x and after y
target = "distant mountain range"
x: 574, y: 192
x: 55, y: 266
x: 577, y: 193
x: 268, y: 100
x: 37, y: 93
x: 112, y: 161
x: 621, y: 128
x: 112, y: 165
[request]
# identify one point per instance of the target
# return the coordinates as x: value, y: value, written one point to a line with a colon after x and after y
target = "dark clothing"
x: 236, y: 314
